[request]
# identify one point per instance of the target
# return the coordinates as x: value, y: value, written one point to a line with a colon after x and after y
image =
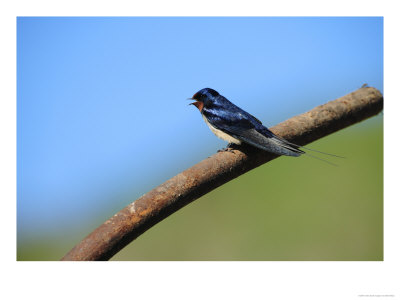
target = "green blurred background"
x: 288, y: 209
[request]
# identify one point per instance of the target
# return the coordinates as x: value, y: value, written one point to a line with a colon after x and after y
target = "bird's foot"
x: 228, y: 148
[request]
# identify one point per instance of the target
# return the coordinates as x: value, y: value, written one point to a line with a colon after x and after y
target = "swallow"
x: 234, y: 125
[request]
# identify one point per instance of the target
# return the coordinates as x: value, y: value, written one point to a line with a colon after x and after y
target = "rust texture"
x: 159, y: 203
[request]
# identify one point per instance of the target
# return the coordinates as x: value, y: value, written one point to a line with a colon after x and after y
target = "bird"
x: 236, y: 126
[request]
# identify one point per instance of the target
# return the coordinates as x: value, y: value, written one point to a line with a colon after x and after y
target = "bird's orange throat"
x: 199, y: 105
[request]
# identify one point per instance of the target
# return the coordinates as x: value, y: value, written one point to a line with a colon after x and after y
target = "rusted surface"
x: 214, y: 171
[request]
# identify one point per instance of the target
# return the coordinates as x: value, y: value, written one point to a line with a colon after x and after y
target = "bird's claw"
x: 227, y: 149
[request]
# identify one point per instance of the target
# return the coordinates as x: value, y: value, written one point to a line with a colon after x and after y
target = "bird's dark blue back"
x: 226, y: 116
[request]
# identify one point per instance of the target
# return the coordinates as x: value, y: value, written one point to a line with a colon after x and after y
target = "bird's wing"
x: 242, y: 127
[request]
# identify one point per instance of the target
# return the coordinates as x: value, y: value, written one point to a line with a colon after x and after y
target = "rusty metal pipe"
x: 167, y: 198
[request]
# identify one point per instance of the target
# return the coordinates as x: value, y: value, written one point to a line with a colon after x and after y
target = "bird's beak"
x: 198, y: 104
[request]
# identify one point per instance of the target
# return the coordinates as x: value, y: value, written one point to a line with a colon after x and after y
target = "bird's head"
x: 204, y: 97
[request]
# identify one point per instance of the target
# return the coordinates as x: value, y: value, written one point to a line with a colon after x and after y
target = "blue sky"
x: 102, y: 115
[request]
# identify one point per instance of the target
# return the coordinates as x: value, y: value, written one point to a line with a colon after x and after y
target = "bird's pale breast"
x: 221, y: 134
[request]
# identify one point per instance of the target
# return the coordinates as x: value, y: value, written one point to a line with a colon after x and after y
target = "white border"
x: 196, y: 280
